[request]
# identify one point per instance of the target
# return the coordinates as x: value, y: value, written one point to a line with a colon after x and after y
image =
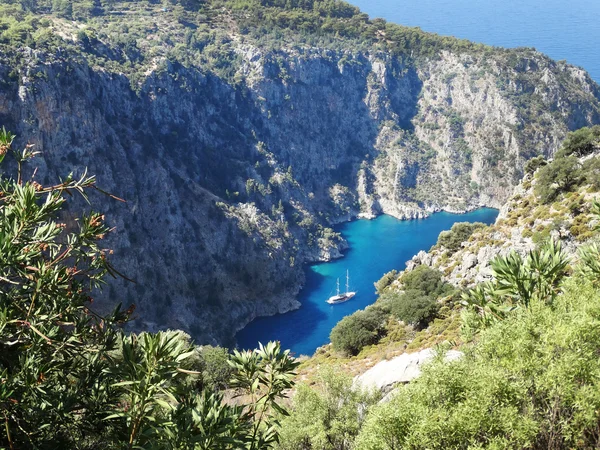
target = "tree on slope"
x: 70, y: 378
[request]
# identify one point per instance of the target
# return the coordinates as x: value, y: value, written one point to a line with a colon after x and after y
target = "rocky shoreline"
x: 232, y: 187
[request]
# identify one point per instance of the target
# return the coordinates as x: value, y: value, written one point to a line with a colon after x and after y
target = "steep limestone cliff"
x: 524, y: 223
x: 234, y: 180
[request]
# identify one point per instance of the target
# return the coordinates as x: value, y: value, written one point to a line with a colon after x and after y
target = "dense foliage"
x: 70, y: 378
x: 328, y: 414
x: 416, y: 304
x: 265, y: 20
x: 216, y: 371
x: 534, y: 164
x: 531, y: 382
x: 581, y: 142
x: 414, y: 308
x: 385, y: 281
x: 355, y: 331
x: 459, y: 233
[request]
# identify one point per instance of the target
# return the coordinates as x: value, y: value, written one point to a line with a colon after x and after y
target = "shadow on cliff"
x: 324, y: 119
x: 184, y: 140
x: 404, y: 88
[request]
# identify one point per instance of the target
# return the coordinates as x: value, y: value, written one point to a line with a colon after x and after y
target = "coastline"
x: 320, y: 270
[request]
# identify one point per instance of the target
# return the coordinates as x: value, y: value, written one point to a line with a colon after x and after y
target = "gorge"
x: 238, y: 145
x: 189, y: 178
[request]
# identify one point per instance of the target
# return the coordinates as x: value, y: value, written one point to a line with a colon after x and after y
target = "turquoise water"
x: 376, y: 247
x: 562, y: 29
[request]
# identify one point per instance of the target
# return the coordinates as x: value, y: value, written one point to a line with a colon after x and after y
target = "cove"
x: 376, y: 247
x: 561, y: 29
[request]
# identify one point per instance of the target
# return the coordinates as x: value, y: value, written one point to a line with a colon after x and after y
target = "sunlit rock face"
x: 402, y: 369
x: 231, y: 187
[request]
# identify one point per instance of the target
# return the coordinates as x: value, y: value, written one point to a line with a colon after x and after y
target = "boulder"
x: 401, y: 369
x: 469, y: 261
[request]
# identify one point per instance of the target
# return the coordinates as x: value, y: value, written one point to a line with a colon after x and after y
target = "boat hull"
x: 341, y: 298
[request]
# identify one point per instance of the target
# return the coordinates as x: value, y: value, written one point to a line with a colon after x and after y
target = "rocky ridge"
x: 232, y: 185
x: 522, y: 224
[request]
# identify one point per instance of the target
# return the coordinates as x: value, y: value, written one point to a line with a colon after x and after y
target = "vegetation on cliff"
x: 567, y: 172
x: 413, y: 301
x: 550, y: 207
x: 248, y: 128
x: 320, y: 22
x: 71, y: 378
x: 452, y: 239
x: 531, y: 381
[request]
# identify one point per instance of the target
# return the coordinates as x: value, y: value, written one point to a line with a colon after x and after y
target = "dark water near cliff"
x: 563, y: 29
x: 376, y: 247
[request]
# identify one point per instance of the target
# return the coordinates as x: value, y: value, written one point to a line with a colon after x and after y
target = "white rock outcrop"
x: 401, y: 369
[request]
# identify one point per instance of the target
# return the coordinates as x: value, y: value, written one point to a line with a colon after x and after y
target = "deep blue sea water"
x: 376, y: 247
x: 563, y: 29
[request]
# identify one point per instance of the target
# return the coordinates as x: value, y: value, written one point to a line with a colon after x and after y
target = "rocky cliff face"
x: 524, y: 223
x: 232, y: 185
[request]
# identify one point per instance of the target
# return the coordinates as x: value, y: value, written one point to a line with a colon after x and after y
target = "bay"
x: 562, y: 29
x: 376, y: 247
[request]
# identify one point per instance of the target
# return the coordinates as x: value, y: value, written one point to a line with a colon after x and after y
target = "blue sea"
x: 562, y: 29
x: 376, y: 247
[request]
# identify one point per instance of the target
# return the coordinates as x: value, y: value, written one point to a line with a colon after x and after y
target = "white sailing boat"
x: 344, y: 296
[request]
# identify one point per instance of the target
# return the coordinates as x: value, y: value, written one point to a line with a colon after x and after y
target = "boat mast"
x: 347, y: 281
x: 338, y: 286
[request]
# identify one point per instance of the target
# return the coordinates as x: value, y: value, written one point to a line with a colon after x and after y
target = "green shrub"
x: 459, y: 233
x: 417, y: 304
x: 414, y: 308
x: 216, y: 370
x: 356, y: 331
x: 580, y: 228
x: 425, y: 280
x: 581, y: 142
x: 534, y: 164
x: 566, y: 172
x: 385, y: 281
x: 560, y: 176
x: 518, y: 283
x: 62, y: 8
x: 327, y: 414
x: 541, y: 236
x: 530, y: 382
x: 591, y: 174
